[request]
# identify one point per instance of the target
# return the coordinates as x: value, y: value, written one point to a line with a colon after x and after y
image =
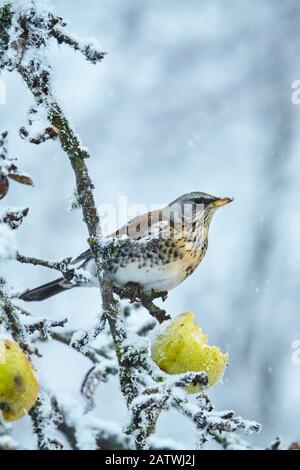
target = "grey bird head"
x: 194, y: 211
x: 203, y: 199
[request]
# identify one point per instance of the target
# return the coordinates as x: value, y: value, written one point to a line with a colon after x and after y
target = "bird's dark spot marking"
x: 190, y: 269
x: 18, y: 381
x: 4, y: 406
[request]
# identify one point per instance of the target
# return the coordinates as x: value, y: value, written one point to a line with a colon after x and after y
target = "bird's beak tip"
x: 222, y: 201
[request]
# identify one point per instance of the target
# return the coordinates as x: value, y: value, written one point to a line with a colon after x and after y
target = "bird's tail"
x: 46, y: 291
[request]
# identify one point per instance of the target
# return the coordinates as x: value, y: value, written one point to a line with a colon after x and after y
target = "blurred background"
x: 192, y: 96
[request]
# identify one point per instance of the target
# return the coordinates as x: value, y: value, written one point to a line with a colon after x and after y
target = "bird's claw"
x: 134, y: 291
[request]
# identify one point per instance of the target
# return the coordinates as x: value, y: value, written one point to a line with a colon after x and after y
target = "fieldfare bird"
x: 167, y: 246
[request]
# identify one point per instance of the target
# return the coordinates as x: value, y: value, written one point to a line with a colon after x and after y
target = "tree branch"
x: 25, y: 52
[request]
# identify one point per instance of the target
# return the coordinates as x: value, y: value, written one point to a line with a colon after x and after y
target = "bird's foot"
x: 159, y: 295
x: 134, y: 292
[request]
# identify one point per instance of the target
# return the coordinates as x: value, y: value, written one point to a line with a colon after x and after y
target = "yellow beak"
x: 221, y: 202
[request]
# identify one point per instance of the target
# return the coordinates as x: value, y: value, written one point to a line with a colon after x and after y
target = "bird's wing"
x: 142, y: 226
x: 153, y: 224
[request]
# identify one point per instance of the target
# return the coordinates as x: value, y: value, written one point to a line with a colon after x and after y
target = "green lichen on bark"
x: 5, y: 23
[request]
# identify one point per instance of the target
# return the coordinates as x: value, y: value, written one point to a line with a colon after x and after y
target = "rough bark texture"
x: 33, y: 29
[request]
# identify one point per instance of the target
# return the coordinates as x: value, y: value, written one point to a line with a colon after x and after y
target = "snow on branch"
x: 72, y: 274
x: 45, y: 418
x: 112, y: 346
x: 13, y: 217
x: 12, y: 320
x: 38, y: 130
x: 88, y: 48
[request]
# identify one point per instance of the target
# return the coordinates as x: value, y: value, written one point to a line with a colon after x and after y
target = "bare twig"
x: 97, y: 374
x: 88, y: 49
x: 61, y: 266
x: 14, y: 217
x: 69, y: 272
x: 44, y: 326
x: 32, y: 30
x: 145, y: 299
x: 45, y: 417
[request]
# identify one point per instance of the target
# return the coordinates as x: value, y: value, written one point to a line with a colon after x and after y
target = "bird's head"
x: 207, y: 201
x: 197, y: 206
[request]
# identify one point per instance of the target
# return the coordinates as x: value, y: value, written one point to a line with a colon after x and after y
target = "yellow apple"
x: 182, y: 347
x: 19, y: 385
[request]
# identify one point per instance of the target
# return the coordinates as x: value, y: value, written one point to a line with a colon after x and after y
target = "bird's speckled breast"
x: 161, y: 267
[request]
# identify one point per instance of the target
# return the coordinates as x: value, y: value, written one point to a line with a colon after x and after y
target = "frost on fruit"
x: 19, y: 386
x: 182, y: 347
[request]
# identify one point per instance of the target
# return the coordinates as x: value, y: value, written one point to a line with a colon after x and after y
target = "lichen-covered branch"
x: 13, y: 217
x: 72, y: 274
x: 25, y: 32
x: 31, y: 28
x: 210, y: 422
x: 87, y: 48
x: 23, y: 332
x: 45, y: 419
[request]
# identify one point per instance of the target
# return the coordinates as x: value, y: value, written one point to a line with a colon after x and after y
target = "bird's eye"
x: 199, y: 200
